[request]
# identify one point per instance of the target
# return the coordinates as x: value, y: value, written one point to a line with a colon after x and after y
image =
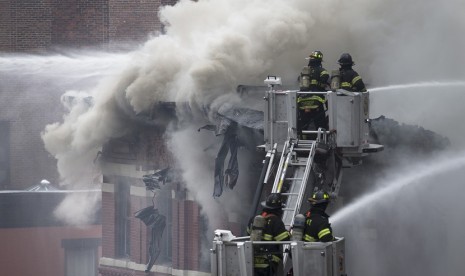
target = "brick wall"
x: 79, y: 23
x: 108, y: 224
x: 6, y: 28
x: 133, y: 20
x: 186, y: 236
x: 38, y: 26
x: 178, y: 239
x: 192, y: 233
x: 27, y: 24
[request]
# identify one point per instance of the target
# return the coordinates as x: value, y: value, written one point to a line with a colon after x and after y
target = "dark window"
x: 122, y: 223
x: 122, y: 150
x: 81, y: 256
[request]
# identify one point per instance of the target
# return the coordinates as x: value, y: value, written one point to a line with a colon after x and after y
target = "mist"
x: 409, y: 223
x: 212, y: 46
x: 434, y: 106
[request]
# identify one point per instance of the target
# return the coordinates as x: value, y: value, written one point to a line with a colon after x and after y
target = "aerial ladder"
x: 309, y: 160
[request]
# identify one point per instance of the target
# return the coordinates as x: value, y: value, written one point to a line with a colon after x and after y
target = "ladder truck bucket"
x: 298, y: 162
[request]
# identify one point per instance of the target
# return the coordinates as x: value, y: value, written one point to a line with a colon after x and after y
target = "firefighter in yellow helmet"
x: 350, y: 79
x: 312, y: 107
x: 317, y: 226
x: 268, y: 257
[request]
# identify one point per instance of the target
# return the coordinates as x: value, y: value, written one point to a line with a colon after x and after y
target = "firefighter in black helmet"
x: 317, y: 226
x: 313, y: 76
x: 312, y: 107
x: 268, y: 257
x: 350, y: 79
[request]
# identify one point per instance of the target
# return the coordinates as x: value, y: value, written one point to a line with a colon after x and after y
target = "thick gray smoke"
x: 33, y: 86
x: 212, y: 46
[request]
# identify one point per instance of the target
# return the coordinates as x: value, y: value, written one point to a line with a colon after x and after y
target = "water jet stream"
x: 419, y: 85
x: 72, y: 66
x: 416, y: 174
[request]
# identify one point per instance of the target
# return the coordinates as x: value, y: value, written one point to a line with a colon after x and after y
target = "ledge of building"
x: 134, y: 190
x: 129, y: 170
x: 125, y: 264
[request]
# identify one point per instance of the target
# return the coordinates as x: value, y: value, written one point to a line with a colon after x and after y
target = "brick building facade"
x: 42, y: 26
x: 125, y: 239
x: 38, y: 26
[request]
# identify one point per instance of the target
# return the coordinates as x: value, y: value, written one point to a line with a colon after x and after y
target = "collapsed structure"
x: 295, y: 168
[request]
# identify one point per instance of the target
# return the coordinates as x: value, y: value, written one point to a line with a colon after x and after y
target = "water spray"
x: 419, y: 85
x: 406, y: 179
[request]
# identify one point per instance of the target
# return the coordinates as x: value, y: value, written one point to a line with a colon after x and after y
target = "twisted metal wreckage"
x: 151, y: 217
x: 239, y: 126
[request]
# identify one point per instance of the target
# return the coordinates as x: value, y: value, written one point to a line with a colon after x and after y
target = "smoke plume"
x: 202, y: 58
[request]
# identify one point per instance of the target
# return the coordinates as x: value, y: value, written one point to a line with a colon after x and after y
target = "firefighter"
x: 350, y: 80
x: 317, y: 227
x: 267, y: 258
x: 312, y: 107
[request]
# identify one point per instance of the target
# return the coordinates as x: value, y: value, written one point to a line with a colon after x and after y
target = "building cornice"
x: 134, y: 190
x: 126, y: 264
x: 128, y: 170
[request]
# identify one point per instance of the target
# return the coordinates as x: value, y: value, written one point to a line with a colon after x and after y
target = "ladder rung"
x: 293, y: 178
x: 288, y: 209
x: 298, y: 164
x: 306, y: 142
x: 290, y: 194
x: 302, y: 149
x: 281, y: 122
